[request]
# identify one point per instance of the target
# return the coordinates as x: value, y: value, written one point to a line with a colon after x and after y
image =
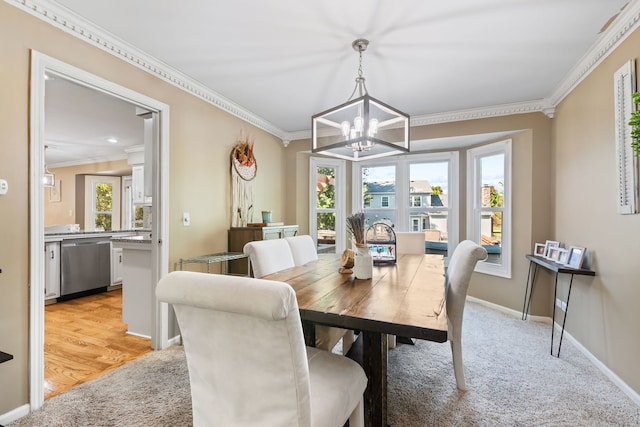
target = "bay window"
x: 415, y: 192
x: 489, y: 205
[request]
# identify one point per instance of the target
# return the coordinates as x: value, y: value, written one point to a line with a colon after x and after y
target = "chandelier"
x: 361, y: 128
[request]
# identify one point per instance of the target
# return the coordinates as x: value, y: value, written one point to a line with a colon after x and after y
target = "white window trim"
x: 340, y: 199
x: 473, y: 202
x: 403, y: 222
x: 90, y: 196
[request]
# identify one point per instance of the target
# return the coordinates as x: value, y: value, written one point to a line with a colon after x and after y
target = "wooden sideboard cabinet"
x: 240, y: 236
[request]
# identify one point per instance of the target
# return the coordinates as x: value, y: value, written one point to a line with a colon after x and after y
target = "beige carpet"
x: 512, y: 380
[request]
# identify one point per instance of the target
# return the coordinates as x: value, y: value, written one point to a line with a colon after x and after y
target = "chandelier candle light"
x: 361, y: 128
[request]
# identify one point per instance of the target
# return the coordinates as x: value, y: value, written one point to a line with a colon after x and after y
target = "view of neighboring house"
x: 381, y: 195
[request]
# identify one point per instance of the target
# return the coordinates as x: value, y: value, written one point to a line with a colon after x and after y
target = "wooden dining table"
x: 406, y: 299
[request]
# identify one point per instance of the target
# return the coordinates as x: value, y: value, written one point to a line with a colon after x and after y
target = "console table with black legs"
x: 534, y: 263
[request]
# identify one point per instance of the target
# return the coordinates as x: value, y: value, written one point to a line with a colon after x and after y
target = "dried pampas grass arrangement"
x: 355, y: 226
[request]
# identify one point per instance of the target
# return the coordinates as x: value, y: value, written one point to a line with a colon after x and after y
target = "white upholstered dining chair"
x: 304, y: 250
x: 461, y: 266
x: 409, y: 242
x: 268, y: 256
x: 248, y: 365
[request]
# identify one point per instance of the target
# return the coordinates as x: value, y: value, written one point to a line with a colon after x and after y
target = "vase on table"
x: 363, y: 262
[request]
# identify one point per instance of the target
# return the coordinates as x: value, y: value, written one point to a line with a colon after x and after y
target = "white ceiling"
x: 284, y: 60
x: 79, y: 121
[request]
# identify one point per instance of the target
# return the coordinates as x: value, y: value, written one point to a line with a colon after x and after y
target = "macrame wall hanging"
x: 243, y: 171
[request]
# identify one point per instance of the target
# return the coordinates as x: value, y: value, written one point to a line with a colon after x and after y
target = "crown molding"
x: 538, y: 106
x: 625, y: 24
x: 79, y: 27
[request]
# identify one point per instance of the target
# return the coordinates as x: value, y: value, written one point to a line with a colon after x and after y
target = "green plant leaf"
x: 634, y: 122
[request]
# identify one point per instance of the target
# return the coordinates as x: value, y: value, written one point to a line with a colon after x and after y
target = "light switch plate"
x: 4, y: 186
x: 186, y: 219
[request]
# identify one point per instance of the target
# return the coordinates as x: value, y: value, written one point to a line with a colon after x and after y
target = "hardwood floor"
x: 85, y: 338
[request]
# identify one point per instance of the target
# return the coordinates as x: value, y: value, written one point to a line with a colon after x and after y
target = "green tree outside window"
x: 327, y: 199
x: 104, y: 206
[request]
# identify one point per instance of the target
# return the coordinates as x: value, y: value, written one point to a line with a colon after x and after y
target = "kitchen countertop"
x: 57, y: 237
x: 141, y: 238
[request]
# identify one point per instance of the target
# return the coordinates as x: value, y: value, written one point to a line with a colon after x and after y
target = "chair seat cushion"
x: 336, y: 384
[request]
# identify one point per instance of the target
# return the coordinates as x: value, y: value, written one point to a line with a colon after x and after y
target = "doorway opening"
x: 156, y: 156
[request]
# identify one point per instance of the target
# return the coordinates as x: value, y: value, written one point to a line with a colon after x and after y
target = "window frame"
x: 339, y: 208
x: 474, y: 204
x: 402, y: 208
x: 90, y: 212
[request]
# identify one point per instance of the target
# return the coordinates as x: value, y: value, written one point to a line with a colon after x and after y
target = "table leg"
x: 564, y: 320
x: 553, y: 315
x: 528, y: 292
x: 374, y: 363
x: 309, y: 331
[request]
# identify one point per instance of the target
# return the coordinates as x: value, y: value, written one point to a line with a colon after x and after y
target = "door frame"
x: 41, y: 63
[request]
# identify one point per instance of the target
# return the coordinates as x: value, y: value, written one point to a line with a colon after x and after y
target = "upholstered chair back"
x: 269, y: 256
x: 248, y: 364
x: 302, y: 248
x: 409, y: 242
x: 461, y: 266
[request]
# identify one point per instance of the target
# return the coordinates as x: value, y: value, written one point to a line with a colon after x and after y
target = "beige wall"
x: 64, y: 211
x: 563, y: 177
x: 201, y: 137
x: 604, y: 316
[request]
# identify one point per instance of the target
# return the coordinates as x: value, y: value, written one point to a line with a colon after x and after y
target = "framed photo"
x: 548, y: 245
x: 554, y: 254
x: 54, y: 192
x: 575, y: 256
x: 563, y: 256
x: 538, y: 249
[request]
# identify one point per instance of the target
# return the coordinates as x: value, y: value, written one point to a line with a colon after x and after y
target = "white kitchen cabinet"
x: 137, y: 186
x: 51, y: 270
x: 116, y: 266
x: 138, y: 291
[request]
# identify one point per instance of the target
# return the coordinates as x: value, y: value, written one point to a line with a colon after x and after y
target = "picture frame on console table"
x: 554, y: 254
x: 563, y: 256
x: 575, y: 256
x: 539, y: 249
x: 548, y: 245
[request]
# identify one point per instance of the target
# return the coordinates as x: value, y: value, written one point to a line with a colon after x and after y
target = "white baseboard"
x: 509, y: 311
x: 175, y: 340
x: 624, y: 387
x: 603, y: 368
x: 15, y: 414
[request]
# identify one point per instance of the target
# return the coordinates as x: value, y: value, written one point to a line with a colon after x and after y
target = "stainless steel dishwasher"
x: 86, y: 266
